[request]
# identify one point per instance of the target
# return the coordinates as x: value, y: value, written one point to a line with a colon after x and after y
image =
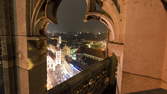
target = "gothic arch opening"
x: 74, y: 44
x: 51, y: 43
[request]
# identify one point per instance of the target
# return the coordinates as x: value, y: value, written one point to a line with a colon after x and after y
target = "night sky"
x: 70, y: 18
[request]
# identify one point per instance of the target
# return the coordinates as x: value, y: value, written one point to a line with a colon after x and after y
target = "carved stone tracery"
x: 46, y: 10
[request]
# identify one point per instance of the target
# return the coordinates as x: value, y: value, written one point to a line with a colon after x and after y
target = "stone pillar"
x: 118, y: 50
x: 116, y: 39
x: 31, y: 64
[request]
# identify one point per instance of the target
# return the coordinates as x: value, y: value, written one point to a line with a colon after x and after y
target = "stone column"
x: 31, y: 63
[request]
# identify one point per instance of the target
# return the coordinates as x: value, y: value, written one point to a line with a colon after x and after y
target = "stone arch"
x: 47, y: 9
x: 44, y: 12
x: 103, y: 19
x: 111, y: 16
x: 111, y: 10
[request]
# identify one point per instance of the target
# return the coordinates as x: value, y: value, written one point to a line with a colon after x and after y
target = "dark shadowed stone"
x: 153, y: 91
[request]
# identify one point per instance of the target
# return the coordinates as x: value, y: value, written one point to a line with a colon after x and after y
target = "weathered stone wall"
x: 164, y: 69
x: 144, y: 45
